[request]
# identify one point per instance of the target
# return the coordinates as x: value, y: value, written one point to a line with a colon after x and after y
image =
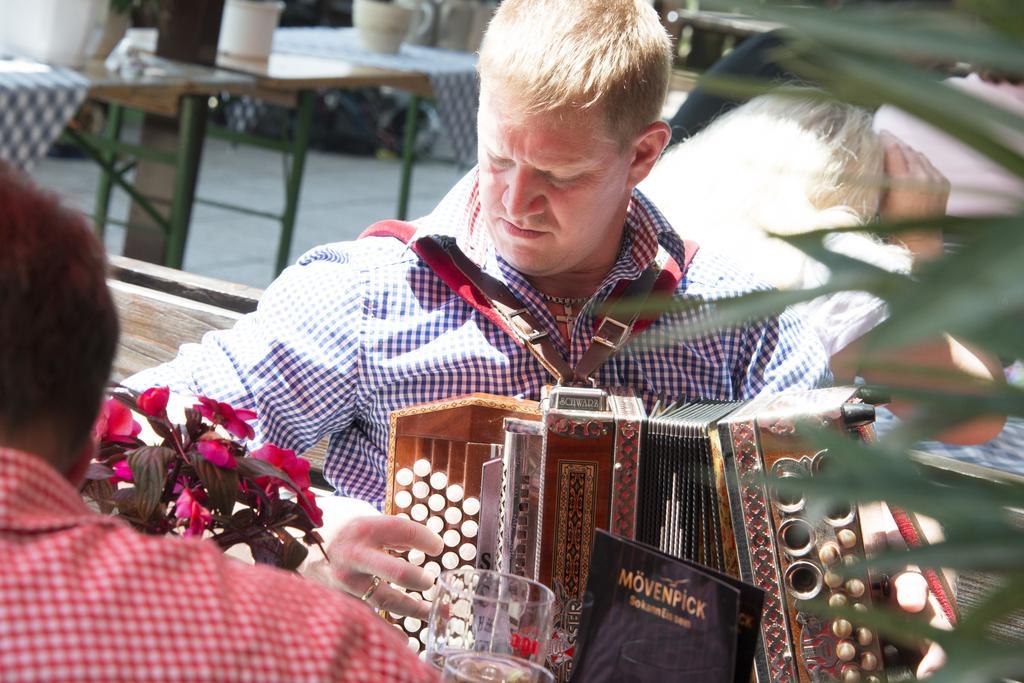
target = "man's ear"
x: 646, y: 150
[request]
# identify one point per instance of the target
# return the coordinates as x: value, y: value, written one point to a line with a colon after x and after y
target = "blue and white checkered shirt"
x: 357, y: 329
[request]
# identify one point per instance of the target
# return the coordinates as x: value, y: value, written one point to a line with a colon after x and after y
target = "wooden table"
x: 284, y: 79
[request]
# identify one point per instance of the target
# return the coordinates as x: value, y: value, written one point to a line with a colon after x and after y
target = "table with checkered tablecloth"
x: 36, y: 103
x: 452, y: 77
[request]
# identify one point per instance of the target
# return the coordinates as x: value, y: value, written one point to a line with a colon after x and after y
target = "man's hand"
x: 910, y: 592
x: 916, y: 190
x: 359, y: 552
x: 358, y: 538
x: 909, y: 588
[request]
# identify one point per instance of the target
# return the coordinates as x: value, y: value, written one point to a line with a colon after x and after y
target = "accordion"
x: 520, y: 487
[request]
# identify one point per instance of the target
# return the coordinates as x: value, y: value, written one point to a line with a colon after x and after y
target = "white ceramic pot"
x: 381, y: 26
x: 58, y: 32
x: 455, y: 23
x: 423, y: 27
x: 247, y: 28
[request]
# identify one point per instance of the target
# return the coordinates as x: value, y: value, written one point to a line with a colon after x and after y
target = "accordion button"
x: 436, y: 502
x: 469, y: 528
x: 453, y: 515
x: 455, y: 493
x: 438, y: 480
x: 855, y: 587
x: 471, y: 506
x: 865, y: 637
x: 435, y: 524
x: 421, y: 467
x: 842, y: 628
x: 404, y: 476
x: 868, y: 661
x: 421, y: 490
x: 837, y: 600
x: 467, y: 551
x: 403, y: 499
x: 451, y: 538
x: 846, y: 651
x: 450, y: 560
x: 416, y: 557
x: 829, y: 554
x: 833, y: 580
x: 847, y: 538
x: 419, y: 512
x: 850, y: 674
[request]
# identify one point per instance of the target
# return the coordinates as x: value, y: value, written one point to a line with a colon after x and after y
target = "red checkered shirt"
x: 84, y: 597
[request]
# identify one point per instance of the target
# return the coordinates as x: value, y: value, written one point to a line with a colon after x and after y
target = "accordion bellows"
x: 520, y: 486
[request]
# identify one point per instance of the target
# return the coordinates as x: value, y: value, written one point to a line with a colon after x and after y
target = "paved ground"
x: 341, y: 195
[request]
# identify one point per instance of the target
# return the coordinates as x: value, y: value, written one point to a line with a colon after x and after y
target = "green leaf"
x: 221, y: 485
x: 925, y: 35
x: 149, y: 475
x: 998, y: 604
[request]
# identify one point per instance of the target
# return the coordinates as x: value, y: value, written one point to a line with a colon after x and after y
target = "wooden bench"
x: 162, y: 308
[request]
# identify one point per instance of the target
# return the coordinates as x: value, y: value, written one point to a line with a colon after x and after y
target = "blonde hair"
x: 611, y: 56
x: 782, y: 164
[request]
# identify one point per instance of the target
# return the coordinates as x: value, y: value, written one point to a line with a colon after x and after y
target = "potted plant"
x: 870, y: 55
x: 200, y: 477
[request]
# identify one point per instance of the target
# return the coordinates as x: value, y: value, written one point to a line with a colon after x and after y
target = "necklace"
x: 570, y: 307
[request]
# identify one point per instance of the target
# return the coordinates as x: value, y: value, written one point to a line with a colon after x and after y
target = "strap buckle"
x: 530, y: 334
x: 601, y: 337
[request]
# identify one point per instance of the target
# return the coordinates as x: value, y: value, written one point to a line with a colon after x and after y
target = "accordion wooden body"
x: 519, y: 486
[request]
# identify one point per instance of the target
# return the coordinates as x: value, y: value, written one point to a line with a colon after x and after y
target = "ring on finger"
x: 374, y: 584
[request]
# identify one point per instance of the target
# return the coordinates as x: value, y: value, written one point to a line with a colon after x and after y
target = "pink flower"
x: 122, y: 472
x: 217, y: 452
x: 115, y: 423
x: 188, y: 507
x: 307, y: 501
x: 222, y: 414
x: 153, y: 401
x: 285, y: 460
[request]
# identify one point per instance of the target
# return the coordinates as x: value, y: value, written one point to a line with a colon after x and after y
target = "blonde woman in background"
x: 786, y: 165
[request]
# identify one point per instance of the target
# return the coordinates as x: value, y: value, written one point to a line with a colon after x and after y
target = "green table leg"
x: 111, y: 133
x: 293, y: 183
x: 408, y: 157
x: 190, y: 144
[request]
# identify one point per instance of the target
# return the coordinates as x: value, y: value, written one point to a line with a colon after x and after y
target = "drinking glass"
x: 484, y: 667
x: 479, y: 610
